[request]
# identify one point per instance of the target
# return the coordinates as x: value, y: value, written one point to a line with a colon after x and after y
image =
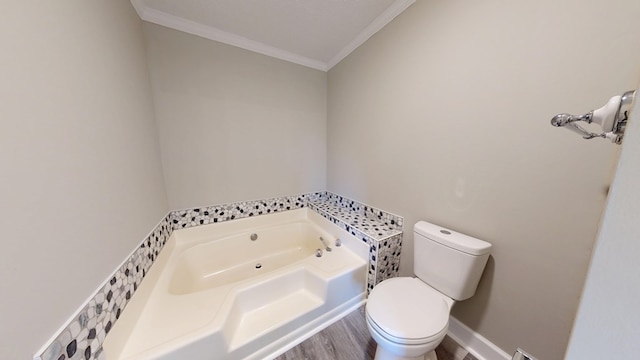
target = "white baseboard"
x: 476, y: 344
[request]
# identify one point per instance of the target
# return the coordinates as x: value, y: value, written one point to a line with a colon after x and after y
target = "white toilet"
x: 409, y: 317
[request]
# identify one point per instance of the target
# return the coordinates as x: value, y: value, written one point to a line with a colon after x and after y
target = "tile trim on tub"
x: 356, y: 207
x: 83, y: 335
x: 181, y: 219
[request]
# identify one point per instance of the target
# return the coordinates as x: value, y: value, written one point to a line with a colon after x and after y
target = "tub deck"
x: 179, y: 313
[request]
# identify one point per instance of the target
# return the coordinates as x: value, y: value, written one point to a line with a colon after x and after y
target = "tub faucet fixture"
x: 326, y: 245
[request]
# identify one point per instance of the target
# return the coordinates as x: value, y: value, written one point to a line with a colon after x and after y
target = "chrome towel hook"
x: 612, y: 118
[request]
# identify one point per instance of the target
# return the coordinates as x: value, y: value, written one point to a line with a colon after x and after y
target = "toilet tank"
x: 448, y: 261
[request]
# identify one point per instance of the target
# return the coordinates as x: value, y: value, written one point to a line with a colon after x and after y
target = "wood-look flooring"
x: 347, y: 339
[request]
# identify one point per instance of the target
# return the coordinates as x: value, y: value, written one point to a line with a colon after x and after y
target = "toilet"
x: 408, y: 317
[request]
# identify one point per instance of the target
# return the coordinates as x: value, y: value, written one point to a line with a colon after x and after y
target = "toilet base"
x: 381, y: 354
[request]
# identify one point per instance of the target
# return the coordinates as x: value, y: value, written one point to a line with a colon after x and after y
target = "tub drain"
x: 258, y: 266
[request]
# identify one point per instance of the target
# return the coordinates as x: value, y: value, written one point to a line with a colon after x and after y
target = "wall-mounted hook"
x: 612, y: 118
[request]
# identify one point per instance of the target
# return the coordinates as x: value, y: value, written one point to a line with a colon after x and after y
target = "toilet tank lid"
x: 452, y: 239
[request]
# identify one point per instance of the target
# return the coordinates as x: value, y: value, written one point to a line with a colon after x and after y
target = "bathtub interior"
x: 189, y: 307
x: 222, y: 260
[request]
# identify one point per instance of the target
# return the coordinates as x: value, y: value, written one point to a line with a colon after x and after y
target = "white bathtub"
x: 213, y: 293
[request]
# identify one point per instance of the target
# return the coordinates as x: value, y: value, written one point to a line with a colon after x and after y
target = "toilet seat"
x: 403, y: 341
x: 408, y: 311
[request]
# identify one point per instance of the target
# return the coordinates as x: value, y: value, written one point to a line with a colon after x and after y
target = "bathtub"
x: 243, y: 289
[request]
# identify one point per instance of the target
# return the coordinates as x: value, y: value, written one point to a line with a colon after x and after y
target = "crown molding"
x: 171, y: 21
x: 162, y: 18
x: 376, y: 25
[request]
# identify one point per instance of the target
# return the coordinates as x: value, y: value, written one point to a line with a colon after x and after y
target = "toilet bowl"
x: 409, y: 317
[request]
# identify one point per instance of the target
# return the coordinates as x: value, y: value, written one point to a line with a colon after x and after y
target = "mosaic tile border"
x: 181, y: 219
x: 83, y: 336
x: 371, y: 212
x: 373, y: 227
x: 388, y: 258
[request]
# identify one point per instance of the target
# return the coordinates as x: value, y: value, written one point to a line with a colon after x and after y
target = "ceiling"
x: 313, y: 33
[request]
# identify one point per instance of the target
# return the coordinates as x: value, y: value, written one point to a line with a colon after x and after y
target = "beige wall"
x: 608, y: 324
x: 444, y: 116
x: 81, y: 175
x: 234, y: 125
